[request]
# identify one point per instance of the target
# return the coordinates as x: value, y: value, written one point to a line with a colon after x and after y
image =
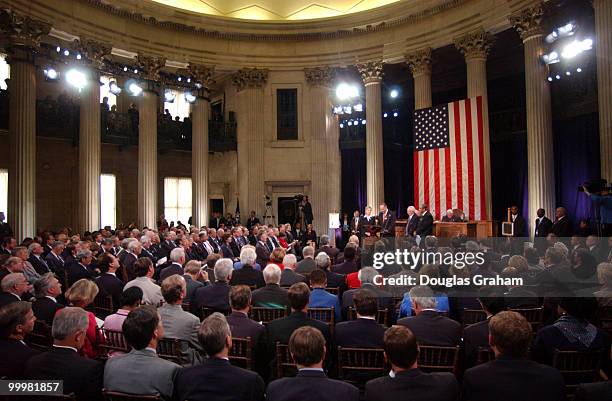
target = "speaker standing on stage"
x: 386, y: 220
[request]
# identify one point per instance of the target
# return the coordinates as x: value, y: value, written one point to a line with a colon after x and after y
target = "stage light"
x: 58, y: 49
x: 347, y: 109
x: 345, y: 91
x: 551, y: 58
x: 350, y: 123
x: 576, y: 47
x: 66, y: 52
x: 385, y: 115
x: 50, y: 74
x: 338, y: 110
x: 341, y: 125
x: 114, y: 88
x: 568, y: 73
x: 134, y: 88
x: 180, y: 79
x: 394, y: 93
x: 169, y: 96
x: 189, y: 97
x: 78, y: 57
x: 395, y: 114
x: 125, y: 69
x: 549, y: 79
x: 358, y: 107
x: 135, y: 71
x: 188, y: 80
x: 76, y: 78
x: 558, y: 76
x: 363, y: 122
x: 578, y: 69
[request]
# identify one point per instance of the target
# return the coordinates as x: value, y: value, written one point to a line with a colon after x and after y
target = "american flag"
x: 449, y: 158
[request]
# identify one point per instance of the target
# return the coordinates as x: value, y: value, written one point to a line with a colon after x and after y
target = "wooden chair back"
x: 577, y: 367
x: 485, y: 354
x: 205, y: 312
x: 333, y: 290
x: 438, y: 359
x: 534, y: 316
x: 285, y: 367
x: 102, y: 306
x: 170, y: 349
x: 266, y: 315
x: 325, y: 315
x: 117, y: 396
x: 382, y: 316
x: 241, y: 354
x: 471, y: 316
x: 186, y: 307
x: 358, y: 365
x: 40, y: 338
x: 114, y: 341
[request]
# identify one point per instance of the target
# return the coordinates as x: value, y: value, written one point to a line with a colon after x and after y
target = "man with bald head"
x: 562, y: 226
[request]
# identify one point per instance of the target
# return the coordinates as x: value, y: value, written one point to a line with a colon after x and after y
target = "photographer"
x: 603, y: 201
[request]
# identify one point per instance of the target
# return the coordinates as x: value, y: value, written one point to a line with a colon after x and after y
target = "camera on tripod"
x: 595, y: 186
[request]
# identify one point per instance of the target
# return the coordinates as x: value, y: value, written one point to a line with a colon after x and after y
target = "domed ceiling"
x: 279, y: 10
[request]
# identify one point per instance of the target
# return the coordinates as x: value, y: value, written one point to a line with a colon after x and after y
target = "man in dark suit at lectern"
x: 386, y: 219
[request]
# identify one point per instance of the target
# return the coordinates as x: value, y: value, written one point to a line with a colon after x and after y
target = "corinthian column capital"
x: 528, y: 21
x: 371, y: 72
x: 92, y: 51
x: 21, y: 32
x: 250, y: 78
x: 150, y: 66
x: 475, y: 44
x: 419, y: 61
x: 320, y: 76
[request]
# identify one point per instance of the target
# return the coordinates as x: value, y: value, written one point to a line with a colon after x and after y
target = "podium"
x: 471, y: 229
x: 373, y: 238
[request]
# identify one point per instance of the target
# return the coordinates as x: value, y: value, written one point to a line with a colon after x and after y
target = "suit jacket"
x: 45, y: 309
x: 263, y: 254
x: 165, y: 248
x: 519, y: 226
x: 15, y: 354
x: 332, y: 252
x: 270, y: 296
x: 251, y: 222
x: 562, y: 228
x: 305, y: 266
x: 166, y: 272
x: 474, y: 336
x: 511, y: 379
x: 425, y: 225
x: 7, y: 298
x: 543, y: 229
x: 76, y: 271
x: 359, y: 333
x: 432, y: 329
x: 183, y: 326
x: 413, y: 384
x: 346, y: 267
x: 289, y: 277
x: 214, y: 296
x: 311, y: 385
x: 387, y: 226
x: 82, y: 376
x: 247, y: 275
x: 40, y: 265
x: 280, y: 329
x: 243, y: 327
x: 235, y: 248
x: 335, y: 280
x: 128, y: 265
x: 354, y: 225
x: 385, y: 299
x: 155, y: 375
x: 192, y: 286
x: 412, y: 224
x: 55, y: 264
x: 216, y: 379
x: 365, y: 222
x: 109, y: 284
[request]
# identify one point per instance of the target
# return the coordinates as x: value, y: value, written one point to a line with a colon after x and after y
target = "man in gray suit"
x: 178, y: 323
x: 306, y: 265
x: 142, y: 329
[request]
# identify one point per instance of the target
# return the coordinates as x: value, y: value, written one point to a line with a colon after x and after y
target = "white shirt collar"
x: 367, y: 317
x: 51, y: 298
x: 65, y: 347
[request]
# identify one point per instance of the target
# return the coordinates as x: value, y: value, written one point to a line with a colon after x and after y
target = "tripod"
x: 268, y: 217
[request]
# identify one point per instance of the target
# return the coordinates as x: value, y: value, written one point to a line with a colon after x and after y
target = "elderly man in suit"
x: 261, y: 248
x: 386, y: 220
x: 406, y: 381
x: 46, y: 290
x: 306, y: 265
x: 562, y: 227
x: 16, y: 322
x: 272, y: 295
x: 215, y: 296
x: 194, y: 278
x: 367, y: 276
x: 36, y: 260
x: 307, y: 348
x: 81, y: 267
x: 334, y: 280
x: 141, y: 371
x: 14, y: 286
x: 412, y: 222
x: 131, y: 254
x: 54, y: 258
x: 216, y: 378
x: 178, y: 323
x: 325, y: 246
x: 425, y: 224
x: 177, y: 257
x: 289, y: 275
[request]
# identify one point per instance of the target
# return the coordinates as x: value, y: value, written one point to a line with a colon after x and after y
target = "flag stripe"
x: 436, y: 178
x: 458, y: 156
x: 483, y: 203
x: 470, y: 156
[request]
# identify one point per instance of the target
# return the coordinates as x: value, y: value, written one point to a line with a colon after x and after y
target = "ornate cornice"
x: 150, y: 66
x: 21, y: 31
x: 419, y: 61
x: 528, y: 21
x: 202, y: 74
x: 475, y: 44
x: 320, y: 76
x: 92, y: 51
x: 250, y: 78
x: 371, y: 72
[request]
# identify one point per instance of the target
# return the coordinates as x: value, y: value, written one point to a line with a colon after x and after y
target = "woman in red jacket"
x: 81, y: 294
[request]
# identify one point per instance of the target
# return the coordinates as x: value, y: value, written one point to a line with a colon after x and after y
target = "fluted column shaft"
x: 22, y: 144
x: 422, y: 90
x: 199, y: 161
x: 89, y: 156
x: 603, y: 46
x: 375, y: 175
x: 147, y: 159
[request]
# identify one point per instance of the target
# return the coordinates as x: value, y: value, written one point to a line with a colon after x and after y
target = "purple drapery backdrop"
x: 353, y: 180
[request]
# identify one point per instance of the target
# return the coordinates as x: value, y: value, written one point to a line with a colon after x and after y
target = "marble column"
x: 419, y: 63
x: 540, y: 158
x: 249, y: 83
x: 199, y: 147
x: 325, y: 149
x: 22, y: 35
x: 475, y: 47
x: 371, y: 74
x: 147, y: 141
x: 603, y: 47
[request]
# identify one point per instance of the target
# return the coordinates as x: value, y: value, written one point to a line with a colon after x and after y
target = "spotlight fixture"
x: 78, y: 57
x: 135, y: 71
x: 395, y: 114
x: 114, y: 88
x: 566, y: 30
x: 578, y: 69
x: 180, y: 79
x: 345, y: 91
x: 125, y: 69
x: 341, y: 125
x: 66, y: 52
x: 350, y: 123
x: 558, y: 76
x: 576, y: 47
x: 198, y: 85
x: 51, y: 74
x: 134, y: 88
x: 188, y: 80
x: 394, y: 93
x: 76, y: 78
x: 358, y: 107
x: 568, y: 73
x: 338, y: 110
x: 169, y: 96
x: 347, y: 109
x: 385, y: 115
x: 363, y: 122
x: 189, y: 97
x: 58, y: 49
x: 549, y: 79
x: 551, y: 58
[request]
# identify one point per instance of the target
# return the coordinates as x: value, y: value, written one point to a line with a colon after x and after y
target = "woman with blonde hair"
x: 81, y: 294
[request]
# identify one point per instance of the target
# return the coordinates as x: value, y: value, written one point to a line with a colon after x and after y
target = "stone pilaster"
x: 199, y: 148
x: 540, y: 159
x: 147, y: 141
x: 475, y: 47
x: 603, y: 47
x: 419, y: 63
x: 372, y: 73
x: 20, y: 37
x: 249, y: 83
x: 325, y: 150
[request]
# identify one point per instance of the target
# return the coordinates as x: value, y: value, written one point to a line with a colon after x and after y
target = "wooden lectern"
x: 471, y: 229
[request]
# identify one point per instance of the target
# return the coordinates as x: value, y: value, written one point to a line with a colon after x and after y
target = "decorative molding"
x: 250, y: 78
x: 202, y: 74
x: 371, y: 72
x: 92, y: 51
x: 475, y: 44
x: 528, y: 21
x: 21, y: 30
x: 419, y: 61
x: 320, y: 76
x: 150, y: 66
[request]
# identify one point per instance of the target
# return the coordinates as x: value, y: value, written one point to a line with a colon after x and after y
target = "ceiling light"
x: 114, y: 88
x: 578, y: 69
x: 189, y: 97
x: 358, y: 107
x: 134, y: 88
x: 341, y: 125
x: 51, y: 74
x: 66, y: 52
x: 345, y: 91
x: 76, y: 78
x: 169, y: 96
x: 394, y: 94
x: 395, y: 114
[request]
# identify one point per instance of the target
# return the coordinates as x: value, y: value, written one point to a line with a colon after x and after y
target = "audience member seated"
x: 107, y: 281
x: 81, y: 267
x: 240, y: 324
x: 511, y: 376
x: 16, y: 322
x: 289, y: 276
x: 406, y: 381
x: 604, y: 276
x: 442, y: 303
x: 10, y: 265
x: 141, y: 371
x: 277, y: 256
x: 216, y: 378
x: 215, y: 296
x: 36, y: 259
x: 334, y: 280
x: 81, y: 376
x: 325, y: 246
x: 55, y: 260
x: 131, y: 299
x: 571, y: 332
x: 132, y: 251
x: 80, y: 295
x: 144, y: 270
x: 477, y: 335
x: 14, y: 287
x: 364, y: 332
x: 307, y: 264
x: 349, y: 265
x: 307, y: 348
x: 178, y: 323
x: 46, y: 290
x: 366, y: 277
x: 29, y: 272
x: 272, y: 295
x: 177, y: 257
x: 193, y: 274
x: 428, y: 325
x: 247, y: 275
x: 319, y: 298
